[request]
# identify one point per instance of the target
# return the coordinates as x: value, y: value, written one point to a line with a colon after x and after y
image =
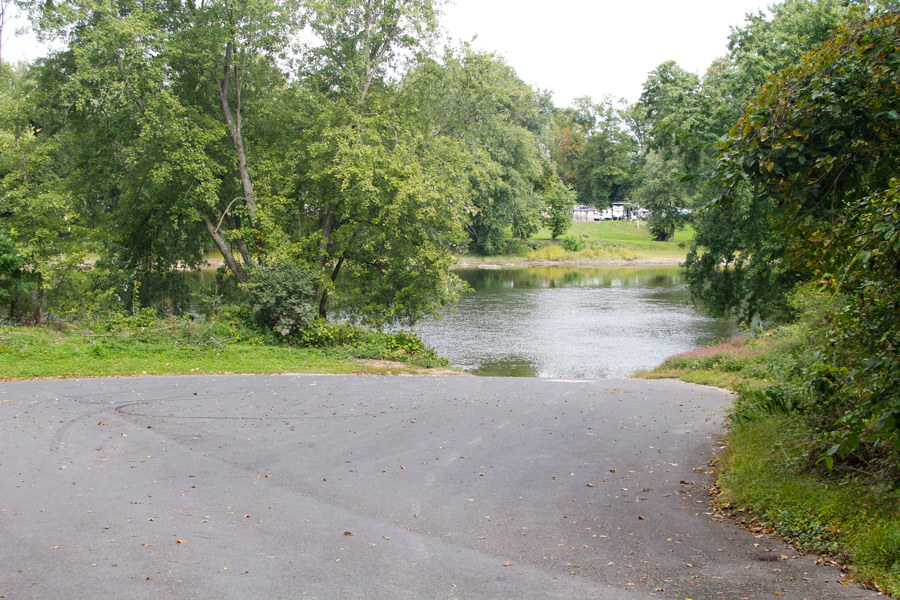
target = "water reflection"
x: 570, y: 322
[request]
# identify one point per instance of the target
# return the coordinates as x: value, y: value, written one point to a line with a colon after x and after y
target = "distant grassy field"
x: 596, y: 242
x: 623, y: 231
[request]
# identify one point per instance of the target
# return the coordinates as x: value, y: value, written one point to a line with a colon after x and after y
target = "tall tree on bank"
x: 740, y: 234
x: 384, y: 201
x: 604, y: 171
x: 193, y: 132
x: 478, y: 100
x: 818, y: 146
x: 593, y: 150
x: 163, y: 92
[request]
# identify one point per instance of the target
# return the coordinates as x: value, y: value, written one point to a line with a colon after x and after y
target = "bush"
x: 282, y: 297
x: 518, y: 247
x: 366, y: 343
x: 571, y: 244
x: 553, y: 252
x: 322, y: 334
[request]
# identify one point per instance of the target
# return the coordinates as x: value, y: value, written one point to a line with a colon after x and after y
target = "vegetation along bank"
x: 345, y: 176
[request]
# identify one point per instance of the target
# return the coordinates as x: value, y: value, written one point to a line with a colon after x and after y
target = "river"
x: 570, y: 323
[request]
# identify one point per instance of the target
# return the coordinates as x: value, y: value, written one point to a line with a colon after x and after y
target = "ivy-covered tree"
x: 818, y: 148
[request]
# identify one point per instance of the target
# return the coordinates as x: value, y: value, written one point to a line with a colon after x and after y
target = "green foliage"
x: 366, y: 343
x: 819, y: 143
x: 36, y: 211
x: 571, y: 244
x: 477, y: 100
x: 604, y: 170
x: 282, y: 297
x: 184, y: 129
x: 737, y: 264
x: 664, y: 102
x: 734, y: 266
x: 560, y: 201
x: 11, y: 263
x: 879, y: 552
x: 663, y: 193
x: 765, y: 481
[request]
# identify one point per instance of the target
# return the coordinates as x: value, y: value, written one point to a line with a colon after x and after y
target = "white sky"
x: 572, y: 47
x: 598, y: 47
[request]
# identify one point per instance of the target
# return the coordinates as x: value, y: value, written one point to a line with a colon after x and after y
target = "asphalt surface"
x: 374, y: 487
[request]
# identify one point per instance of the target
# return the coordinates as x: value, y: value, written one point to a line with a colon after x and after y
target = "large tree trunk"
x: 323, y: 301
x: 38, y: 316
x: 234, y: 223
x: 222, y: 244
x: 322, y: 259
x: 666, y: 236
x: 233, y: 121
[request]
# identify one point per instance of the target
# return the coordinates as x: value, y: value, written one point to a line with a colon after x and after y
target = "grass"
x: 766, y: 476
x: 625, y: 231
x: 603, y: 241
x: 729, y: 364
x: 763, y: 479
x: 179, y: 347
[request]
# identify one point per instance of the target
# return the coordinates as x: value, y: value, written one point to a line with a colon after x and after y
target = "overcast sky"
x: 575, y: 47
x: 598, y: 47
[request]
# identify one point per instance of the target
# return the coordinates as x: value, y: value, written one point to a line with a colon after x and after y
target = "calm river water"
x: 571, y: 323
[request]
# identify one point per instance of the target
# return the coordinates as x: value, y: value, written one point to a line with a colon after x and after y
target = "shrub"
x: 553, y: 252
x: 366, y: 343
x: 571, y: 244
x: 282, y: 297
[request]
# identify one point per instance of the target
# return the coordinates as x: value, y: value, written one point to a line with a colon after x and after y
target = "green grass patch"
x: 736, y: 363
x: 149, y: 346
x: 625, y: 231
x: 768, y: 475
x: 613, y: 241
x: 764, y: 478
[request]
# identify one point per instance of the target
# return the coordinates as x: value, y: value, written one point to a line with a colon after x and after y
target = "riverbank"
x: 511, y: 262
x: 768, y: 476
x: 469, y: 261
x: 141, y: 345
x: 592, y: 244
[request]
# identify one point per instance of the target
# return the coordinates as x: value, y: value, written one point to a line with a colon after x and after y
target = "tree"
x: 664, y: 101
x: 661, y: 191
x: 190, y: 128
x: 605, y: 169
x: 384, y: 200
x: 36, y: 211
x: 818, y: 146
x: 560, y: 202
x: 479, y: 100
x: 738, y: 233
x: 593, y: 150
x: 156, y: 89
